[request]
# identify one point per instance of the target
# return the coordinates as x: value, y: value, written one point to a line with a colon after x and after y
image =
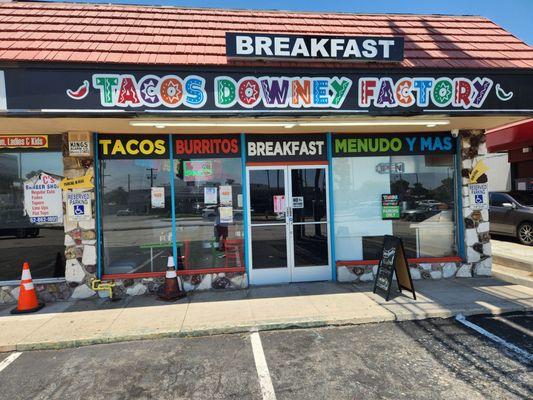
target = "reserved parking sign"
x: 479, y: 196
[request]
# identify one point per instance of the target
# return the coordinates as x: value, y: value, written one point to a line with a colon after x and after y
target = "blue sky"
x: 514, y: 15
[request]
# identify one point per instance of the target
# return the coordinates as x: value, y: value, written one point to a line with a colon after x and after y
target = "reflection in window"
x: 209, y: 213
x: 425, y: 187
x: 41, y: 245
x: 136, y: 216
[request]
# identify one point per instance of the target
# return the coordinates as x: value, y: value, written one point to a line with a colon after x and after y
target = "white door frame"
x: 290, y: 273
x: 315, y: 272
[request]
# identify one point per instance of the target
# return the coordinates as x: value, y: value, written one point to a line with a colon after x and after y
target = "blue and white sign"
x: 479, y: 196
x: 79, y: 206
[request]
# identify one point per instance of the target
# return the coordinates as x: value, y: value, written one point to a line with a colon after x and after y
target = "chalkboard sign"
x: 393, y: 260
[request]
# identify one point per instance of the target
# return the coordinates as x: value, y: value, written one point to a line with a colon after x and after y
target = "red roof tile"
x: 97, y: 33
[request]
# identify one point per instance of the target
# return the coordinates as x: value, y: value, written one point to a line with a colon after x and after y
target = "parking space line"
x: 521, y: 352
x: 9, y: 359
x: 267, y: 389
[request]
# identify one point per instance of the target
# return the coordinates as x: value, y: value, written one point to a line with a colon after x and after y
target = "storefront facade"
x: 517, y: 141
x: 248, y: 173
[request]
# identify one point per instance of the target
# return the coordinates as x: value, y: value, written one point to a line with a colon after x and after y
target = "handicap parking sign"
x: 79, y: 206
x: 79, y: 209
x: 478, y: 196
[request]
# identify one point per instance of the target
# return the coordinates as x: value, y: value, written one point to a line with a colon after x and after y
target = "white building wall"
x: 499, y: 173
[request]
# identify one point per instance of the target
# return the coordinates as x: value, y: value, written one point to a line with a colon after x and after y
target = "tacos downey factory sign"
x: 307, y: 47
x: 267, y: 92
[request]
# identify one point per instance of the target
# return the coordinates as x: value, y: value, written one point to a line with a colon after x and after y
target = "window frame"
x: 457, y: 235
x: 138, y: 275
x: 57, y: 149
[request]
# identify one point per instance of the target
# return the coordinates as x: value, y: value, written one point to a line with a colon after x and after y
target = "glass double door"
x: 288, y: 218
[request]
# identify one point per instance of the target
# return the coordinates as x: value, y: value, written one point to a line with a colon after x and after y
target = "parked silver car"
x: 511, y: 214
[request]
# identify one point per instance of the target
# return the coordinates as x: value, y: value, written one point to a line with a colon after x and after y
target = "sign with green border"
x: 390, y: 206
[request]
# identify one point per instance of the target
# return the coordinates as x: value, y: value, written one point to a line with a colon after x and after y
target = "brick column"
x: 476, y: 222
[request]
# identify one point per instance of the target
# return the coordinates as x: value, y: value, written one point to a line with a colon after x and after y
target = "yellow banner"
x: 477, y: 171
x: 83, y: 182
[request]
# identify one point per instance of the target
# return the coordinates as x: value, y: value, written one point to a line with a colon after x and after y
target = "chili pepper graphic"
x: 502, y: 95
x: 80, y: 93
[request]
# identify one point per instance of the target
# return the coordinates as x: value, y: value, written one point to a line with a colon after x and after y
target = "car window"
x: 526, y: 199
x: 497, y: 199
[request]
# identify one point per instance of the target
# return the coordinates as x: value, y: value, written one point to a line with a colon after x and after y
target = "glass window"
x: 209, y: 213
x: 136, y: 215
x: 42, y: 245
x: 425, y: 188
x: 497, y: 199
x: 523, y: 198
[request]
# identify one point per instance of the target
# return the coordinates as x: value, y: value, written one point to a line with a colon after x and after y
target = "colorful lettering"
x: 249, y: 92
x: 195, y: 88
x: 225, y: 92
x: 482, y: 87
x: 385, y: 94
x: 171, y: 91
x: 106, y: 84
x: 301, y: 93
x: 340, y: 90
x: 463, y: 89
x: 442, y: 93
x: 275, y: 91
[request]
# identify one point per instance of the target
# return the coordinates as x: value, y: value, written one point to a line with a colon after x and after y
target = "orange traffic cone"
x: 28, y: 301
x: 171, y: 289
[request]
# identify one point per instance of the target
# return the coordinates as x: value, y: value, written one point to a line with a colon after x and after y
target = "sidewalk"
x: 512, y: 262
x: 70, y: 324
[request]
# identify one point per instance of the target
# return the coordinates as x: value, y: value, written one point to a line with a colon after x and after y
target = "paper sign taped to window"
x: 158, y: 197
x: 298, y: 202
x: 226, y: 196
x: 210, y: 195
x: 279, y: 204
x: 43, y: 199
x: 226, y: 215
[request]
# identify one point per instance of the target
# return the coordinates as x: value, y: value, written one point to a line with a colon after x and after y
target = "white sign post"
x: 79, y: 206
x: 43, y: 201
x: 479, y: 196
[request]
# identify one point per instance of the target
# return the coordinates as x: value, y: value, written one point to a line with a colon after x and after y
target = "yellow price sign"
x: 83, y: 182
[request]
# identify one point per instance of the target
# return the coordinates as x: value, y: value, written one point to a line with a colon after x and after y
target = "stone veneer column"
x: 476, y: 222
x: 80, y: 236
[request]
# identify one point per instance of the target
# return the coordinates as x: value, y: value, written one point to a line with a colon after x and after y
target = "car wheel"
x: 525, y: 233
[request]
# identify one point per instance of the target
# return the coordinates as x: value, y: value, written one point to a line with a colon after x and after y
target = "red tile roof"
x: 94, y: 33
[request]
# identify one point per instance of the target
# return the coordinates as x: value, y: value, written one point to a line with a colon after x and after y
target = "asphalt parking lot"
x: 430, y: 359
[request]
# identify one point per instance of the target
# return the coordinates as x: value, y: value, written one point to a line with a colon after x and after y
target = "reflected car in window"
x: 511, y: 214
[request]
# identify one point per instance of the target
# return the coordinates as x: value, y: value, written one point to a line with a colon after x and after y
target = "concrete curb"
x: 512, y: 262
x: 512, y: 275
x: 269, y: 326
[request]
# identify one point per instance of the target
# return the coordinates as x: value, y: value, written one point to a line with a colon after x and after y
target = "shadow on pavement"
x: 470, y: 363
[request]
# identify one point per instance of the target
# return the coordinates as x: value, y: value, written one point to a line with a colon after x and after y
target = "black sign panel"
x: 133, y: 146
x: 268, y: 92
x: 310, y: 47
x: 279, y: 148
x: 394, y: 145
x: 393, y: 260
x: 206, y: 146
